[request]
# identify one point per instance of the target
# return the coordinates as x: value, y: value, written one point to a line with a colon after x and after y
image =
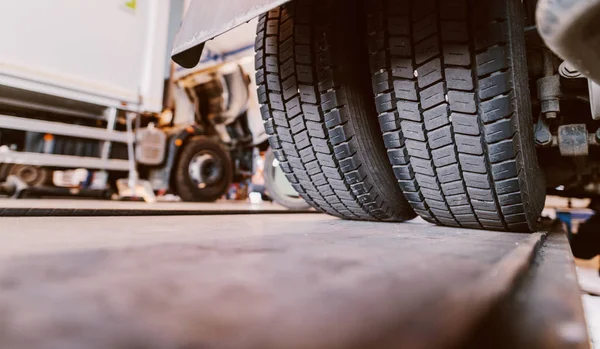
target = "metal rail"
x: 44, y: 107
x: 63, y: 161
x: 107, y: 136
x: 58, y: 128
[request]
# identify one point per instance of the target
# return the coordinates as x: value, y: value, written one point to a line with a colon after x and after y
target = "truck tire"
x: 451, y: 88
x: 273, y: 184
x: 204, y: 171
x: 313, y: 82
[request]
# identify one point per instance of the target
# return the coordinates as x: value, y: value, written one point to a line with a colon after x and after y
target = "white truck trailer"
x: 71, y: 66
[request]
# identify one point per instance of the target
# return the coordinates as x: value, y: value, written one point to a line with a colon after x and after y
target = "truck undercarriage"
x: 478, y: 115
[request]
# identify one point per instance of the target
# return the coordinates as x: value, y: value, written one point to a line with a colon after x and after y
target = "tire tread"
x: 460, y: 119
x: 307, y: 116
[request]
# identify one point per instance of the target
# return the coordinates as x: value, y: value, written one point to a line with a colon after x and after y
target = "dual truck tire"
x: 381, y: 110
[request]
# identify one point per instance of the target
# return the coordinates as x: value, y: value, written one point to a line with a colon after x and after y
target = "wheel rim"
x: 205, y: 169
x: 31, y: 175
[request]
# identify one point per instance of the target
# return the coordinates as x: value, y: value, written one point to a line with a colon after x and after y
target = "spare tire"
x: 450, y: 81
x: 313, y: 81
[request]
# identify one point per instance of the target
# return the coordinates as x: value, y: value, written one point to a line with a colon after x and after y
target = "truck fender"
x: 205, y: 19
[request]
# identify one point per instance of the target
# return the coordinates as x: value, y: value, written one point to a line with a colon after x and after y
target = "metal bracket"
x: 567, y: 70
x: 111, y: 120
x: 543, y: 136
x: 573, y: 140
x: 549, y: 94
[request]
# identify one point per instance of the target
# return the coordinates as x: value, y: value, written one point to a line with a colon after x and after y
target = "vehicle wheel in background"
x: 313, y: 81
x: 451, y: 86
x: 278, y: 187
x: 33, y: 176
x: 204, y: 170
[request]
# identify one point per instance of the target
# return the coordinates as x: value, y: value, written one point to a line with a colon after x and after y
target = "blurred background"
x: 104, y: 113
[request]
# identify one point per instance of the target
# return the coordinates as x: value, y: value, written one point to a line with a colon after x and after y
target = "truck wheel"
x: 450, y: 81
x: 204, y: 171
x: 313, y: 81
x: 33, y: 176
x: 278, y: 187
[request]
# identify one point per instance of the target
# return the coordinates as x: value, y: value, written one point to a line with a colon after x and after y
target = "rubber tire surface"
x: 450, y: 83
x: 313, y: 82
x: 293, y: 203
x: 185, y: 187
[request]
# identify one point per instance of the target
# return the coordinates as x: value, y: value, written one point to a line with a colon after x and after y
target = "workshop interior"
x: 299, y: 174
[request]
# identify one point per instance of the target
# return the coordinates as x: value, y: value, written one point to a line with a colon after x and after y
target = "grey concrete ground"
x: 127, y: 205
x: 259, y: 281
x: 25, y: 236
x: 237, y: 281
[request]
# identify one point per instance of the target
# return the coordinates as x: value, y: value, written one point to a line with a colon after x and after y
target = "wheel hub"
x: 205, y: 169
x: 32, y: 175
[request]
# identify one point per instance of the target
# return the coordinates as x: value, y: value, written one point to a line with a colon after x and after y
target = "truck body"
x: 112, y: 58
x: 110, y: 53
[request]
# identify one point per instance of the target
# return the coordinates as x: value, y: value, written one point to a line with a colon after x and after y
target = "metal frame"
x: 568, y: 71
x: 42, y: 107
x: 65, y: 161
x: 59, y: 128
x: 108, y: 136
x: 55, y: 89
x: 111, y: 118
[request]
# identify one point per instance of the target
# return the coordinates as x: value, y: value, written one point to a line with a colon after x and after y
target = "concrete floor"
x: 26, y: 236
x: 102, y: 249
x: 272, y: 281
x: 128, y: 205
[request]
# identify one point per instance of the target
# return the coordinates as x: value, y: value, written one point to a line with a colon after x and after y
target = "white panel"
x: 99, y: 51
